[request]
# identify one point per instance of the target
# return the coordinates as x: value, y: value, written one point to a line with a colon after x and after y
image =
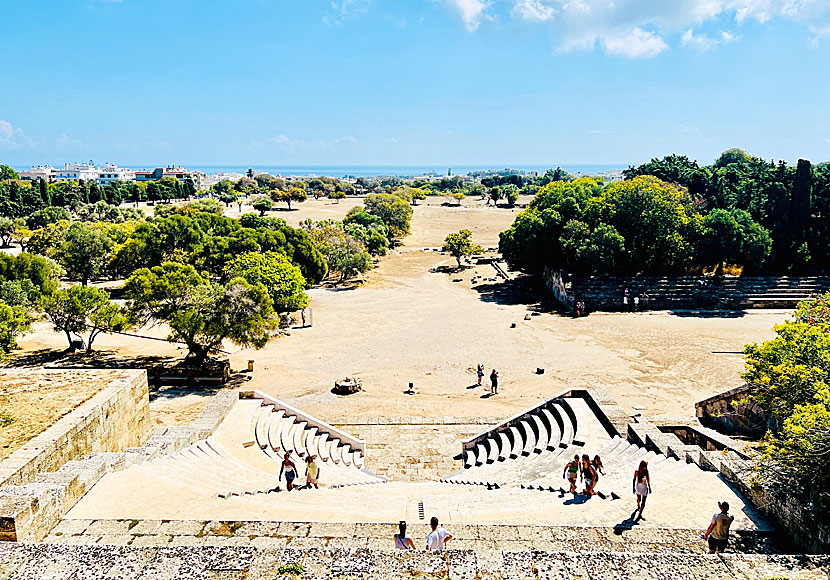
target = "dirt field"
x: 409, y: 323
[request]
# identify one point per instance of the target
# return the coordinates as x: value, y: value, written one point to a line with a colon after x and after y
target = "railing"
x: 322, y: 426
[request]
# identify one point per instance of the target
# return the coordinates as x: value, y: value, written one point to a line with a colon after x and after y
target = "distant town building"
x: 45, y: 172
x: 212, y: 179
x: 111, y: 172
x: 88, y: 172
x: 179, y: 173
x: 77, y: 172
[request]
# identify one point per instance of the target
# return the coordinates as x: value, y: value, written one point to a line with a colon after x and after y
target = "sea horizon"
x: 341, y: 171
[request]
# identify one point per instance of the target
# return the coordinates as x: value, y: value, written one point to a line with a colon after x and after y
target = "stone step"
x: 620, y: 539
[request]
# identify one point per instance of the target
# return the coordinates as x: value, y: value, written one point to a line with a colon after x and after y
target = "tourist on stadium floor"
x: 642, y: 485
x: 402, y: 541
x: 572, y: 470
x: 480, y: 373
x: 718, y: 531
x: 438, y: 536
x: 312, y: 472
x: 290, y: 470
x: 494, y: 382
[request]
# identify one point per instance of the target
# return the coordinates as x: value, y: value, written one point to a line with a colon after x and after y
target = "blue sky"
x: 503, y: 82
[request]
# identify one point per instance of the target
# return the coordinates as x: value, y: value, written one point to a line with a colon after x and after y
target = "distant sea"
x: 376, y: 170
x: 396, y: 170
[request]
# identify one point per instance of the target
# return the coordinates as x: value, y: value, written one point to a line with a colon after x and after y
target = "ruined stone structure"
x: 200, y: 502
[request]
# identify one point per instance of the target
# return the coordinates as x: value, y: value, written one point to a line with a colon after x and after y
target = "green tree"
x: 84, y: 253
x: 282, y: 279
x: 394, y: 212
x: 15, y: 320
x: 201, y: 313
x: 7, y: 228
x: 461, y: 244
x: 494, y: 194
x: 262, y: 205
x: 337, y: 195
x: 77, y: 309
x: 511, y: 194
x: 7, y: 173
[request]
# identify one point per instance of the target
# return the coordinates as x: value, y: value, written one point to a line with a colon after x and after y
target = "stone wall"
x: 116, y: 418
x: 556, y: 283
x: 730, y: 412
x: 45, y: 478
x: 801, y: 521
x: 605, y: 293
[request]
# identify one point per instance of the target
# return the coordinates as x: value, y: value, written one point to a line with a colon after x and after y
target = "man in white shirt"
x: 438, y: 536
x: 718, y: 532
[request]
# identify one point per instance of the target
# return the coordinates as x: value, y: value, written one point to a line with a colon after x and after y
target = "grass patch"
x: 133, y: 524
x: 296, y: 569
x: 6, y: 419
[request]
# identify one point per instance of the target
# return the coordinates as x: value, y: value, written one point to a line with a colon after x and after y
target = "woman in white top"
x: 402, y: 542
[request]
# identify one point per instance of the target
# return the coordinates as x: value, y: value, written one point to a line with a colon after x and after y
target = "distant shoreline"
x: 382, y: 170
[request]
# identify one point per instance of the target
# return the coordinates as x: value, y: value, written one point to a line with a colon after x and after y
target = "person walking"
x: 312, y: 472
x: 642, y: 485
x: 636, y: 304
x: 480, y: 373
x: 717, y: 533
x: 494, y: 382
x: 570, y: 473
x: 589, y: 474
x: 402, y: 541
x: 302, y: 315
x: 290, y: 470
x: 438, y: 536
x: 626, y: 297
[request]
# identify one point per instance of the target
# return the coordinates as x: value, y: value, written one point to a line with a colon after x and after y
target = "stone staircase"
x: 686, y: 292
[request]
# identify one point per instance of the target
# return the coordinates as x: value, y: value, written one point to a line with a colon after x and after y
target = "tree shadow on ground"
x: 700, y: 313
x: 449, y: 269
x: 522, y: 290
x: 97, y: 359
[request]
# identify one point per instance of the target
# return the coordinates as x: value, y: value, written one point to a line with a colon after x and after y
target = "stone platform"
x: 50, y: 562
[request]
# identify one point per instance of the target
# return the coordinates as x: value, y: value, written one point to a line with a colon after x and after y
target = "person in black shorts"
x: 718, y: 531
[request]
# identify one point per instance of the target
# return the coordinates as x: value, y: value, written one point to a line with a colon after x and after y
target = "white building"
x: 88, y: 172
x: 111, y: 172
x: 45, y: 172
x: 77, y: 172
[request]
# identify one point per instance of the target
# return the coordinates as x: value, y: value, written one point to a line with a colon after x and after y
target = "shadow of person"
x: 473, y: 386
x: 486, y: 395
x: 577, y: 499
x: 628, y: 523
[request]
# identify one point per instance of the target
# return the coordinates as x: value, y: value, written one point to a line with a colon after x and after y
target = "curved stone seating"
x: 527, y: 446
x: 278, y: 428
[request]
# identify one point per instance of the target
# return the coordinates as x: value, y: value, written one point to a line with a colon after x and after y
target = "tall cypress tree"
x: 44, y: 192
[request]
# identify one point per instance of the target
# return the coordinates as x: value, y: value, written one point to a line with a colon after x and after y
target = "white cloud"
x: 703, y: 42
x: 340, y: 10
x: 472, y: 12
x: 644, y: 28
x: 634, y: 43
x: 12, y: 137
x: 536, y: 10
x: 288, y: 145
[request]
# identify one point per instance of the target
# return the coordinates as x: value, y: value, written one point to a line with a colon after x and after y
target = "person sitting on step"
x: 402, y: 541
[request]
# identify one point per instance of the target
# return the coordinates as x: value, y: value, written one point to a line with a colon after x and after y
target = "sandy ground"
x: 411, y: 323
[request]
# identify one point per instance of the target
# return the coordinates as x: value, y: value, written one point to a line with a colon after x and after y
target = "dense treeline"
x: 792, y: 203
x: 672, y: 216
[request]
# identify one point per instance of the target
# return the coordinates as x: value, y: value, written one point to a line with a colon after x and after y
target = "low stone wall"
x: 199, y: 563
x: 801, y: 523
x: 116, y: 418
x: 730, y: 412
x: 103, y: 435
x: 605, y: 293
